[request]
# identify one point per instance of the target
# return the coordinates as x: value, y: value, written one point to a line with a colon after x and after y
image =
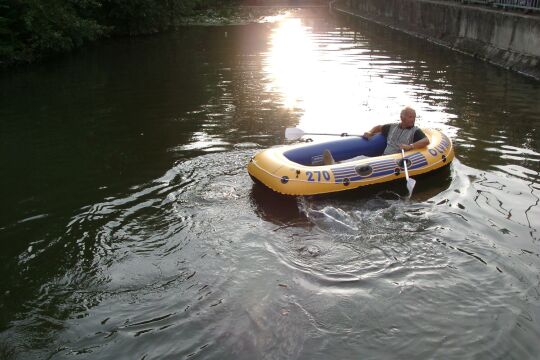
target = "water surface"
x: 131, y: 229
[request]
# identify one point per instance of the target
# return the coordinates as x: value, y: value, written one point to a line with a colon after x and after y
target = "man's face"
x: 407, y: 119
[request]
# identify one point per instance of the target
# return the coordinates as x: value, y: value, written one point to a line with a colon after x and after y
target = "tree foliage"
x: 32, y: 29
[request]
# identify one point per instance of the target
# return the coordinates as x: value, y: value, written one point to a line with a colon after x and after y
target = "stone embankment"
x: 510, y: 40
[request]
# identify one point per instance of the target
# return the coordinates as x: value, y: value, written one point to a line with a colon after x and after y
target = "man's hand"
x: 367, y: 135
x: 406, y: 147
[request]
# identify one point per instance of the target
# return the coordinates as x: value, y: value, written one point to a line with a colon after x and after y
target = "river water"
x: 130, y: 228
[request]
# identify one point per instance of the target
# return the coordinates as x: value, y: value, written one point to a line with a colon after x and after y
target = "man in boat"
x: 403, y: 135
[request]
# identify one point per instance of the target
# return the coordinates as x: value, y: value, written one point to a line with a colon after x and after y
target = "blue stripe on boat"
x: 380, y: 168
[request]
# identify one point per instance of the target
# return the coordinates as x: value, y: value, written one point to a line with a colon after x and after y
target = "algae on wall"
x: 506, y: 39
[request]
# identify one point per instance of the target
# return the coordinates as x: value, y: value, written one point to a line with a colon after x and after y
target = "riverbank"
x: 238, y: 15
x: 508, y: 40
x: 30, y: 34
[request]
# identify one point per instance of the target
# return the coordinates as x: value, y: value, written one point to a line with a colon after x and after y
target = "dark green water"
x: 130, y: 228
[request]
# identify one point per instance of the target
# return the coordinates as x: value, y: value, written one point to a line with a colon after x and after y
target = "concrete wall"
x: 510, y: 40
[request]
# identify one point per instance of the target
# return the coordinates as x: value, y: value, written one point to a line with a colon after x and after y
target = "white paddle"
x: 296, y: 133
x: 410, y: 182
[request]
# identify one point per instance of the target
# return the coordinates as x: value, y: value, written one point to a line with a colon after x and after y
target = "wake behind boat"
x: 299, y: 169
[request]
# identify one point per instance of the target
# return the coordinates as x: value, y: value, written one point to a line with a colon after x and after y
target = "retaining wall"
x: 510, y: 40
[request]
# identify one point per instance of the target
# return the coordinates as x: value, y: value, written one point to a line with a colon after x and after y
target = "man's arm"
x: 423, y: 142
x: 375, y: 130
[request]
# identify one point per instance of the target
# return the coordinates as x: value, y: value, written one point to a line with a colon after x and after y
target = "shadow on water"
x: 286, y: 210
x: 274, y: 207
x: 427, y: 186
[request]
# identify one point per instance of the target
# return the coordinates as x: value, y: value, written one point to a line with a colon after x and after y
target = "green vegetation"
x: 33, y: 29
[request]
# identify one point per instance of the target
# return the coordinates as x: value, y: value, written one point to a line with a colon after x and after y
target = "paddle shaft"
x: 405, y: 165
x: 296, y: 133
x: 342, y: 134
x: 410, y: 182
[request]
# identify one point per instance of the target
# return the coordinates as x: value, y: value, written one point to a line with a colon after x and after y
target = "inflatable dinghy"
x: 299, y: 169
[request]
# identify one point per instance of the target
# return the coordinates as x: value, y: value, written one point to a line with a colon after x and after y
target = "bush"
x: 32, y: 29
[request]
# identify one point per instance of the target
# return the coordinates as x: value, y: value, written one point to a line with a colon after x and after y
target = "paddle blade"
x: 293, y: 133
x: 410, y: 185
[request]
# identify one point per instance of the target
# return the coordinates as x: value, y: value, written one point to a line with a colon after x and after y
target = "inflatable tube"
x: 341, y: 150
x: 298, y: 169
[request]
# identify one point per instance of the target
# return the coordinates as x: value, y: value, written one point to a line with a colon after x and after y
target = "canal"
x: 130, y: 228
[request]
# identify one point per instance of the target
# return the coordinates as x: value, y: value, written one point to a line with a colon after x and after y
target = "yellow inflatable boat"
x: 298, y: 169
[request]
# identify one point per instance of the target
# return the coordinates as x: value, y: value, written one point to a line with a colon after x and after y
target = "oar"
x: 410, y: 182
x: 296, y: 133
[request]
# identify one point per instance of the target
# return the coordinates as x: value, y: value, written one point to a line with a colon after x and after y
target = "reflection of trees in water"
x: 112, y: 118
x: 239, y: 106
x: 497, y: 120
x: 7, y: 351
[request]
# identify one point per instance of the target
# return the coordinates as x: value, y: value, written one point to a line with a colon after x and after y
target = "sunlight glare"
x: 291, y: 60
x: 336, y: 84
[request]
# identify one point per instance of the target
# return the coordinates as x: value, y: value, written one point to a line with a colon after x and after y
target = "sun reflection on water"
x: 339, y: 84
x: 291, y: 60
